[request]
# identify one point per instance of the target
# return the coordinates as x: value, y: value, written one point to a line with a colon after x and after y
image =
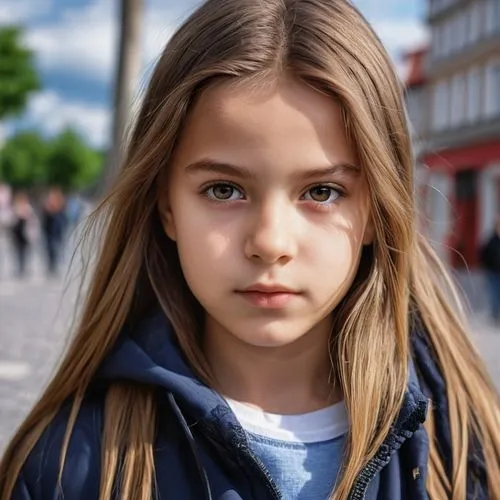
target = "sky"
x: 74, y: 42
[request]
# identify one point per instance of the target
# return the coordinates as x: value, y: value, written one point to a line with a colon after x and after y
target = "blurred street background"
x: 70, y: 79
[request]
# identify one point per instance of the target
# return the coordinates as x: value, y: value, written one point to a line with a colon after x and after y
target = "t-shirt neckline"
x: 313, y: 427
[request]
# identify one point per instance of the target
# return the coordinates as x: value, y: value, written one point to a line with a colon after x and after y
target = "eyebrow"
x: 213, y: 166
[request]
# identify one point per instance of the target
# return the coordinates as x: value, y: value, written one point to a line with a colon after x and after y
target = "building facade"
x: 458, y: 134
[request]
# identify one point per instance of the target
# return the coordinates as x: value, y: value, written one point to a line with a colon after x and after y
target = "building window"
x: 492, y: 16
x: 440, y: 106
x: 457, y: 32
x: 448, y: 35
x: 435, y: 6
x: 492, y: 89
x: 473, y: 108
x: 461, y: 30
x: 437, y: 40
x: 457, y: 105
x: 447, y: 40
x: 475, y: 24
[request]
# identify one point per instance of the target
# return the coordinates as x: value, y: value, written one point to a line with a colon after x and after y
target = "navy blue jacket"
x: 201, y: 451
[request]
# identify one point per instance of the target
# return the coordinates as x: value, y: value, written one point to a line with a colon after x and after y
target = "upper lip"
x: 269, y: 288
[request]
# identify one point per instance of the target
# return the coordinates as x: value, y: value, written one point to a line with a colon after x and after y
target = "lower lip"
x: 268, y: 300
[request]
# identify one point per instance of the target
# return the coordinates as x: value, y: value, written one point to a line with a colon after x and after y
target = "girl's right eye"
x: 223, y: 192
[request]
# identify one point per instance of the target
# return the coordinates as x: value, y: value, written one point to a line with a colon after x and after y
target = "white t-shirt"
x: 320, y: 425
x: 302, y: 453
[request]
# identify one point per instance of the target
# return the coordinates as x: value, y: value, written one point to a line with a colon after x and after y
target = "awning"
x: 464, y: 158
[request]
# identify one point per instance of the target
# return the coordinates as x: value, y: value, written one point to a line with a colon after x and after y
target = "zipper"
x: 383, y: 456
x: 375, y: 465
x: 245, y: 457
x: 261, y: 469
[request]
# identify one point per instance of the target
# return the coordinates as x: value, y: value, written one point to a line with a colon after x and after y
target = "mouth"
x: 268, y: 296
x: 272, y: 288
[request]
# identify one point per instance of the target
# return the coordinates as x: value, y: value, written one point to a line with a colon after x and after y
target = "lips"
x: 268, y: 296
x: 268, y: 289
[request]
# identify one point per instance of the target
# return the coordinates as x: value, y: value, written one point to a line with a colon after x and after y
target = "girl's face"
x: 269, y: 210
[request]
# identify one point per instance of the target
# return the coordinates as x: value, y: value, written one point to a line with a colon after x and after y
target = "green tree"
x: 18, y: 76
x: 23, y: 160
x: 71, y: 163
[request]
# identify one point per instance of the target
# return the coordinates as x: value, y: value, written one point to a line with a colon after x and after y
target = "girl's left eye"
x: 322, y: 194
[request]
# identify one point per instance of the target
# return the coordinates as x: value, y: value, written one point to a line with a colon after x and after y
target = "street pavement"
x: 35, y: 315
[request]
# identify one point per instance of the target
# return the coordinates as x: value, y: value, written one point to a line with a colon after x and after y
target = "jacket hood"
x: 150, y: 354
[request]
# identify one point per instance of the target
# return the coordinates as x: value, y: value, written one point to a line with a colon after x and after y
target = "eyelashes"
x: 324, y: 194
x: 223, y: 191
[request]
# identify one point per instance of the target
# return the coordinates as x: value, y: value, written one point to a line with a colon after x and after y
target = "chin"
x: 270, y: 337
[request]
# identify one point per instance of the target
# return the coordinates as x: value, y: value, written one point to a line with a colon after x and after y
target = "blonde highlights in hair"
x: 329, y: 46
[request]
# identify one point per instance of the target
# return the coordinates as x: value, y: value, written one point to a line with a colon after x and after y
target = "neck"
x: 289, y: 379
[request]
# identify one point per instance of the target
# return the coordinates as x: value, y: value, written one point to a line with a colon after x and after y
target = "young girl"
x: 264, y: 321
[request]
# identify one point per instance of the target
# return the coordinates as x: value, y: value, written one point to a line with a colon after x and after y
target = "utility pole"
x: 127, y: 75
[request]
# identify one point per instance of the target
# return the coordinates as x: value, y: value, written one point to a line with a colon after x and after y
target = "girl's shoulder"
x: 39, y: 478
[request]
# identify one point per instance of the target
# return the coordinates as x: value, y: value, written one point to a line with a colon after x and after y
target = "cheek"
x: 335, y: 261
x: 335, y: 256
x: 204, y: 252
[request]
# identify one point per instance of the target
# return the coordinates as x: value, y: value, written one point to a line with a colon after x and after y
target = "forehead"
x: 287, y: 122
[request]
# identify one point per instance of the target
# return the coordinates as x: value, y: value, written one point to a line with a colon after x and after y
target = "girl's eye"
x: 224, y: 192
x: 322, y: 194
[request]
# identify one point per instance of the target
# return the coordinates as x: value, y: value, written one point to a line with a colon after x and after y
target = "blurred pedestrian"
x: 5, y: 204
x: 54, y: 223
x: 5, y: 215
x: 22, y: 228
x: 74, y: 210
x: 490, y: 260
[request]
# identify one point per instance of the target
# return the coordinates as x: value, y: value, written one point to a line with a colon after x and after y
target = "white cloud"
x: 84, y: 40
x: 19, y: 11
x: 49, y: 112
x: 401, y: 34
x: 398, y: 36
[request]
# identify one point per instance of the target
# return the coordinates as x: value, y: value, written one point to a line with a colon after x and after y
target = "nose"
x: 271, y: 238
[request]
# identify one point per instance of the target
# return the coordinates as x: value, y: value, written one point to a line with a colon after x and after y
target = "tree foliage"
x: 23, y: 160
x: 71, y: 163
x: 18, y: 76
x: 27, y: 160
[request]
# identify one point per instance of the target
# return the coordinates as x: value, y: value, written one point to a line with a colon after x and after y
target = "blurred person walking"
x: 54, y: 223
x: 22, y: 230
x: 490, y: 260
x: 5, y: 213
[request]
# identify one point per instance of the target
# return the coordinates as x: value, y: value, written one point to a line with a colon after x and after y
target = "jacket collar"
x: 150, y: 354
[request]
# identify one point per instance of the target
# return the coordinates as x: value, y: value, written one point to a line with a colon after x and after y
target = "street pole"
x: 127, y: 75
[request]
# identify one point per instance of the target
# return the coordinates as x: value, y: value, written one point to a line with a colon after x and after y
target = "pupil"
x: 320, y: 194
x: 223, y: 192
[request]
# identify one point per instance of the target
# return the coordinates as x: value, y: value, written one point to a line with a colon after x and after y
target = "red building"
x: 453, y: 97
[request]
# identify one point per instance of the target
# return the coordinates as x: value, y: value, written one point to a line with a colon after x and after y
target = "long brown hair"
x: 328, y: 45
